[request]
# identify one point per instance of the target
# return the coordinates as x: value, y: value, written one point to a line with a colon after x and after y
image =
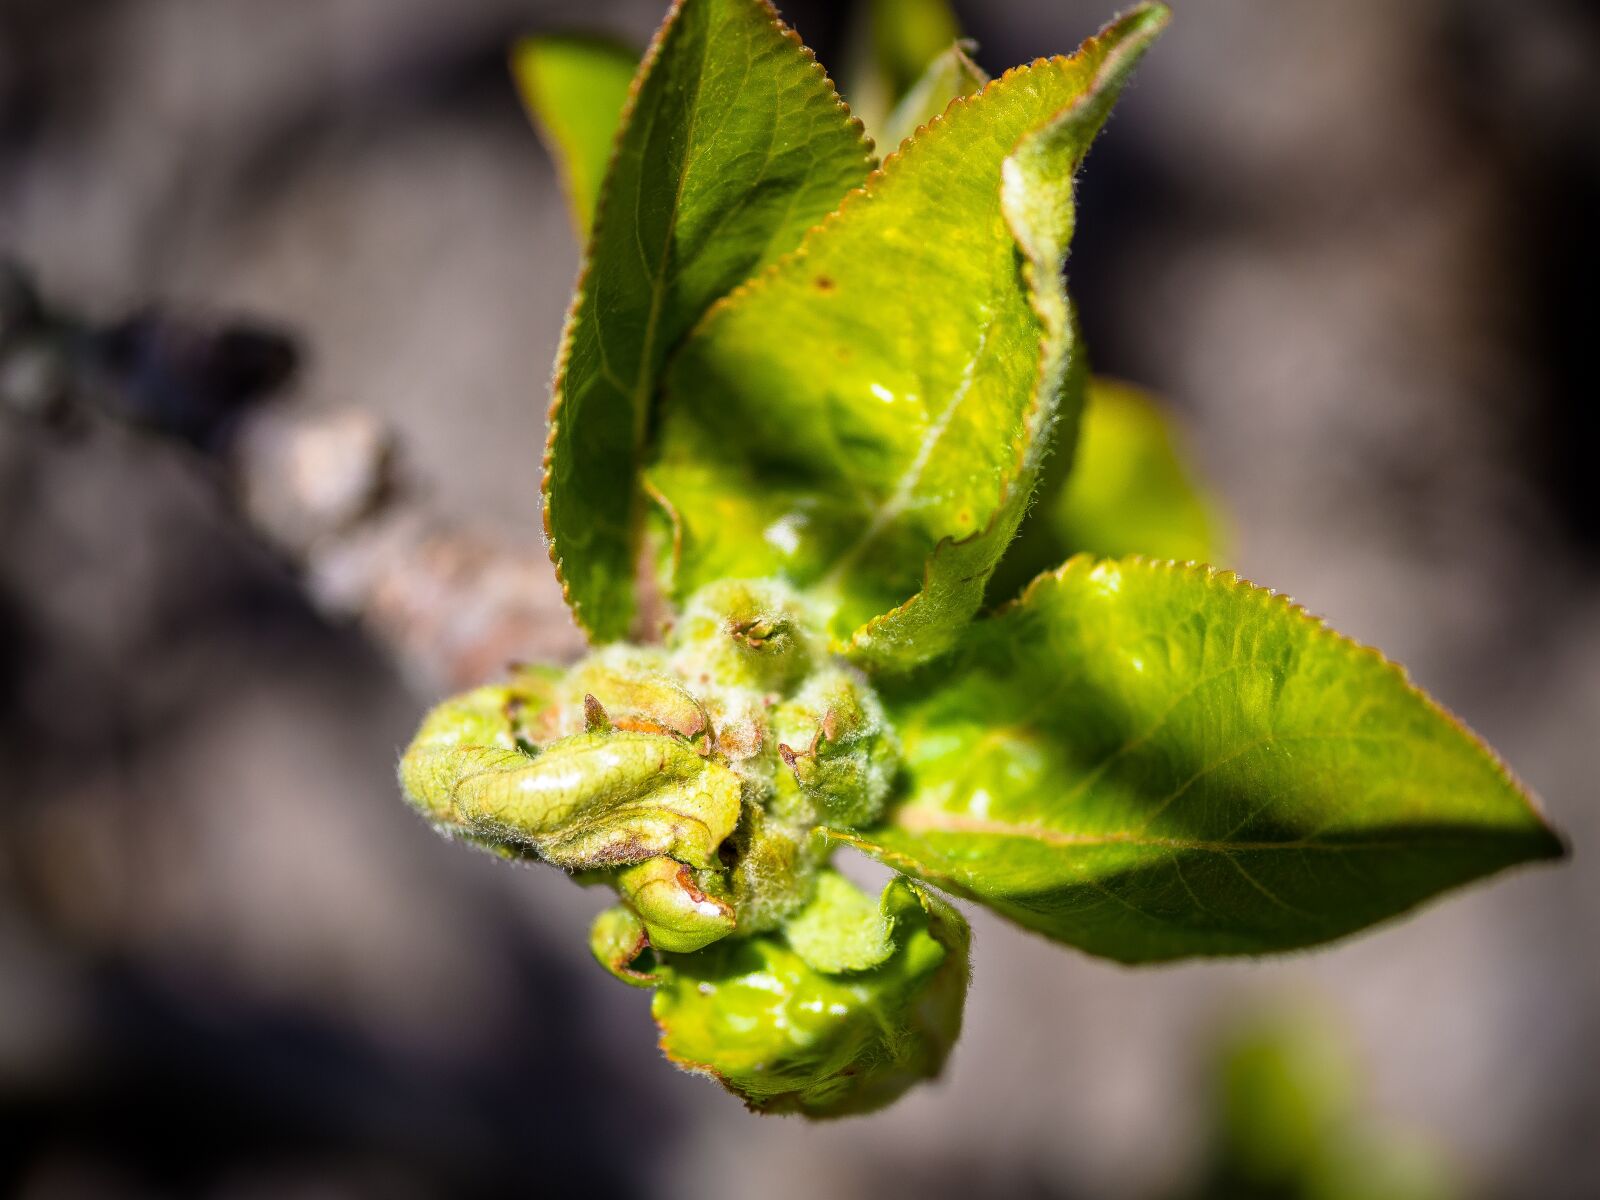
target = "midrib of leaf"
x: 934, y: 821
x: 767, y: 158
x: 1166, y: 807
x: 899, y: 500
x: 642, y: 390
x: 639, y: 393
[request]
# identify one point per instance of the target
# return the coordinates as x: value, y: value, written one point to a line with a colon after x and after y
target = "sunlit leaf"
x: 1150, y: 761
x: 732, y: 145
x: 867, y: 419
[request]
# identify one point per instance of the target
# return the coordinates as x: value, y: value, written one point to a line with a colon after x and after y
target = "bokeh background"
x: 1354, y: 243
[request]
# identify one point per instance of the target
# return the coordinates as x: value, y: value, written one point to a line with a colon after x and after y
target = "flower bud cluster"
x: 691, y: 777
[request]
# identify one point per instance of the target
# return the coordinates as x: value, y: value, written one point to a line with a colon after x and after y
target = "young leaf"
x: 1150, y: 761
x: 1125, y: 490
x: 733, y: 143
x: 950, y: 75
x: 892, y: 43
x: 867, y: 418
x: 826, y: 1040
x: 574, y: 89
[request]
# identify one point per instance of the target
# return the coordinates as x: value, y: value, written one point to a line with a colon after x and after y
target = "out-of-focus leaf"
x: 575, y: 89
x: 732, y: 145
x: 1130, y: 491
x: 1150, y: 761
x: 1283, y: 1086
x: 789, y: 1037
x: 1288, y: 1124
x: 950, y: 75
x: 1126, y: 489
x: 866, y: 420
x: 892, y: 43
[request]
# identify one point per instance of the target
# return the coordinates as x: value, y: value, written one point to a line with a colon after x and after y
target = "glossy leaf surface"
x: 866, y: 419
x: 788, y: 1036
x: 1150, y: 761
x: 732, y: 145
x: 574, y: 90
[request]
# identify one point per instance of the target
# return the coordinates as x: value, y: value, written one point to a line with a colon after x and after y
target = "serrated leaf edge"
x: 652, y: 52
x: 1227, y: 581
x: 1032, y: 440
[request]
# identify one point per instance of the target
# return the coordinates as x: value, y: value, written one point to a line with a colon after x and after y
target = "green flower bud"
x: 741, y: 634
x: 839, y: 747
x: 618, y: 941
x: 774, y: 862
x: 789, y: 1035
x: 588, y: 800
x: 678, y: 906
x: 691, y: 778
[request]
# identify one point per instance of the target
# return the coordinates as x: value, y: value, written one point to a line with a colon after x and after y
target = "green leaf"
x: 1287, y: 1122
x: 732, y: 145
x: 892, y: 44
x: 1125, y: 490
x: 950, y: 75
x: 866, y: 419
x: 1150, y: 761
x: 1130, y: 491
x: 788, y: 1036
x: 574, y: 90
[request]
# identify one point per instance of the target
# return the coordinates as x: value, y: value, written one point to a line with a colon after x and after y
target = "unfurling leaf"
x: 574, y: 90
x: 866, y: 420
x: 949, y: 76
x: 1150, y: 761
x: 892, y: 43
x: 732, y: 145
x: 841, y: 1019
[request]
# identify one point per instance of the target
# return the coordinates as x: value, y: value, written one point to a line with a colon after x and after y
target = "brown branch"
x: 450, y: 606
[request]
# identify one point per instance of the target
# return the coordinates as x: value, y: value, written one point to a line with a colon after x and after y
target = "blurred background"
x: 1355, y: 244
